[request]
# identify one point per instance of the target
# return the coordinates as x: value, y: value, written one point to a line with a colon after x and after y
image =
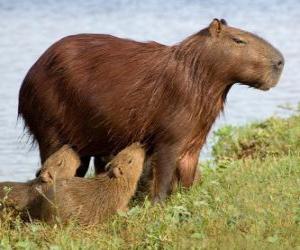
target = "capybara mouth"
x: 271, y: 79
x: 265, y: 86
x: 262, y: 85
x: 270, y: 83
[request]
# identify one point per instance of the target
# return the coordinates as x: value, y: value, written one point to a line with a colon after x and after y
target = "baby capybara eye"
x: 129, y: 161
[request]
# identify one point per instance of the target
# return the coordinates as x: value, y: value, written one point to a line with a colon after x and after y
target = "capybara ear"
x: 215, y: 27
x: 108, y: 167
x: 223, y: 21
x: 115, y: 172
x: 46, y: 177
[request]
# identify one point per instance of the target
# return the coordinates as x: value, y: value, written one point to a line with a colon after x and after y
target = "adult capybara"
x: 89, y: 201
x: 99, y: 93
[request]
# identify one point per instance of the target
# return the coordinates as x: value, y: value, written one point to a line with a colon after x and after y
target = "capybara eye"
x: 238, y: 40
x: 130, y: 161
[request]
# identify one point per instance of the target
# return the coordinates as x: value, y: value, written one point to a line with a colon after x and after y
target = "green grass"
x: 249, y: 199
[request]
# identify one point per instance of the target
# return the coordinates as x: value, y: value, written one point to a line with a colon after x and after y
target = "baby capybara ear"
x: 215, y: 27
x: 108, y: 167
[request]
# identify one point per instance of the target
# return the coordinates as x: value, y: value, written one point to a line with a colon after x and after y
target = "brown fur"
x: 62, y: 164
x: 23, y: 197
x: 99, y: 93
x: 89, y: 201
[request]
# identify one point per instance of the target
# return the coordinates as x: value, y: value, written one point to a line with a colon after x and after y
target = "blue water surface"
x: 28, y: 27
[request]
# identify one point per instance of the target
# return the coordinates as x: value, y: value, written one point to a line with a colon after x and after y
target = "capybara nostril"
x: 278, y: 63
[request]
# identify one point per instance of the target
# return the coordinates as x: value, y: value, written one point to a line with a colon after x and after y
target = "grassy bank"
x: 249, y: 199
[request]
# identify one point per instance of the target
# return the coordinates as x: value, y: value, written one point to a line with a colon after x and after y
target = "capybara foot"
x: 159, y: 198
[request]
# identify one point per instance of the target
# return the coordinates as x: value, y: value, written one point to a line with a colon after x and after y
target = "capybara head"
x: 128, y: 162
x: 242, y: 56
x: 61, y: 164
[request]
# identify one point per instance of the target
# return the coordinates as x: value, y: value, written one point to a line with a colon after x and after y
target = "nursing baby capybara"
x: 99, y: 93
x: 86, y: 200
x: 60, y: 165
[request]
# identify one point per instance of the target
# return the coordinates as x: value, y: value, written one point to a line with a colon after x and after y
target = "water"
x: 27, y: 28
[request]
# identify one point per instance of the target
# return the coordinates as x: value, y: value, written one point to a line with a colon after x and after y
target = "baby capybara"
x: 62, y: 164
x: 88, y: 201
x: 99, y: 93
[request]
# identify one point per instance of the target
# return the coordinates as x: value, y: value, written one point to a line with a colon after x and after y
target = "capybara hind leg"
x: 48, y: 145
x: 84, y: 166
x: 187, y: 169
x: 163, y: 173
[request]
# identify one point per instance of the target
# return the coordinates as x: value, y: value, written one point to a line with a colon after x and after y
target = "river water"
x: 28, y: 27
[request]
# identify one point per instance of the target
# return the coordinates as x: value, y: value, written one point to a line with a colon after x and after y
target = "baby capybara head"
x: 242, y: 56
x: 128, y: 163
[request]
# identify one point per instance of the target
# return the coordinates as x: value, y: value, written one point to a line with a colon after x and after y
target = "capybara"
x: 62, y: 164
x: 99, y: 93
x: 88, y: 201
x: 19, y: 195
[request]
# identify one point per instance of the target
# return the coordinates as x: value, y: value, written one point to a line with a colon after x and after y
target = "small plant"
x: 275, y: 136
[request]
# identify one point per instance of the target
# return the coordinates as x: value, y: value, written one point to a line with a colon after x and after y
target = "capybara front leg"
x: 187, y: 168
x: 163, y: 172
